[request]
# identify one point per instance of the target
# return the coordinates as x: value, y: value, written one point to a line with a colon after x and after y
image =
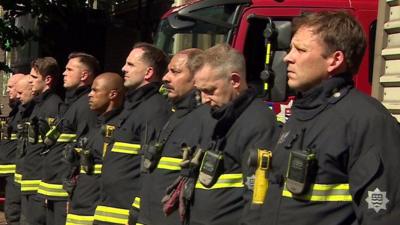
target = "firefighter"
x: 244, y: 124
x: 336, y: 161
x: 106, y: 99
x: 177, y: 146
x: 72, y: 122
x: 27, y: 104
x: 8, y: 143
x: 143, y: 107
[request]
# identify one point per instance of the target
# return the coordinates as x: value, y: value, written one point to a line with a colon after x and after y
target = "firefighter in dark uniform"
x: 336, y: 161
x: 44, y: 79
x: 76, y: 120
x: 26, y: 98
x: 8, y: 145
x: 106, y: 99
x: 188, y: 127
x: 143, y: 107
x: 244, y: 124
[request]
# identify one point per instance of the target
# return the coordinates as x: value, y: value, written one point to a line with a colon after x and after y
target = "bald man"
x: 24, y: 90
x: 8, y: 146
x: 105, y: 98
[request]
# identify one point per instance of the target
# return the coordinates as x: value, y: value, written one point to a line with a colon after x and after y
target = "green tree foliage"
x: 46, y: 11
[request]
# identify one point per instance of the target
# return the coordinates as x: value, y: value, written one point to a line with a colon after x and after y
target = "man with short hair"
x: 8, y: 145
x: 244, y: 125
x: 189, y: 126
x: 336, y: 161
x: 42, y: 79
x: 144, y: 107
x: 76, y: 120
x: 106, y: 99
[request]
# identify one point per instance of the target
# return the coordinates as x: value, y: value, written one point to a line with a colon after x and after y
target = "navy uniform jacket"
x: 193, y: 127
x: 47, y: 105
x: 121, y: 165
x: 78, y: 119
x: 356, y: 144
x: 243, y: 125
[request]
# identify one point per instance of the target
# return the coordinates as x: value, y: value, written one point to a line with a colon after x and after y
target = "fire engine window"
x: 221, y: 13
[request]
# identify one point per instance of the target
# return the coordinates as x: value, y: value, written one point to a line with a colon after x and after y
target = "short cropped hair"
x: 88, y: 60
x: 154, y: 57
x: 223, y: 58
x: 191, y: 54
x: 46, y: 66
x: 339, y: 31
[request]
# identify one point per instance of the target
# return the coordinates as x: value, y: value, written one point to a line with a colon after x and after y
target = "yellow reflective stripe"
x: 126, y: 148
x: 5, y: 169
x: 97, y: 169
x: 111, y: 214
x: 55, y: 190
x: 169, y: 163
x: 13, y: 137
x: 66, y: 138
x: 73, y: 219
x: 136, y: 203
x: 234, y: 180
x: 29, y: 185
x: 17, y: 178
x: 323, y: 193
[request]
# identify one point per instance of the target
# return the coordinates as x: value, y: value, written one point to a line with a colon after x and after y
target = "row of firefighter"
x: 195, y: 144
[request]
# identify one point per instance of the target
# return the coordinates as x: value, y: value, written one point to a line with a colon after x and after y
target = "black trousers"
x: 33, y: 209
x: 12, y: 205
x: 56, y: 212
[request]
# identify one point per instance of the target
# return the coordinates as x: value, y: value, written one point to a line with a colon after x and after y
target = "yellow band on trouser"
x: 111, y: 215
x: 73, y: 219
x: 136, y: 203
x: 29, y: 185
x: 323, y: 193
x: 53, y: 190
x: 97, y: 169
x: 17, y: 178
x: 6, y: 169
x: 169, y: 163
x: 234, y: 180
x: 66, y: 138
x: 126, y: 148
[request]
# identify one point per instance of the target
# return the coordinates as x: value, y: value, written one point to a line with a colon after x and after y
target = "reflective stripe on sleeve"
x: 111, y: 215
x: 7, y: 169
x: 234, y: 180
x: 17, y: 178
x: 126, y: 148
x: 169, y: 163
x: 73, y: 219
x: 54, y: 190
x: 323, y: 193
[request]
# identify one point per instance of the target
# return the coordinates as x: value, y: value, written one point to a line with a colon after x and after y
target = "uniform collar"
x: 134, y: 97
x: 108, y: 115
x: 42, y: 97
x: 310, y: 103
x: 187, y: 104
x: 72, y: 95
x: 228, y: 114
x: 26, y: 110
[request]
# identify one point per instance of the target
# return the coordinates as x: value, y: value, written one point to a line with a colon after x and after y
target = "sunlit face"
x: 24, y: 92
x: 37, y: 82
x: 99, y: 96
x: 135, y: 69
x: 73, y: 73
x: 307, y: 65
x: 216, y: 90
x: 178, y: 80
x: 11, y: 91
